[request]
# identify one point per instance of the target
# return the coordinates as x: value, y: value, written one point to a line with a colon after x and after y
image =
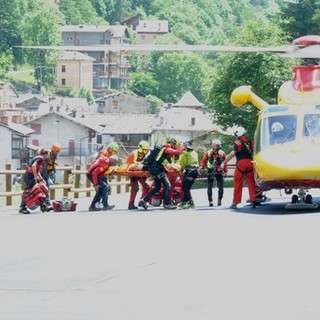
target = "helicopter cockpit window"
x: 311, y: 126
x: 281, y: 129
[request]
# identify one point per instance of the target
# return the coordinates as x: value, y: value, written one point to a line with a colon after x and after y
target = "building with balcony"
x: 110, y: 68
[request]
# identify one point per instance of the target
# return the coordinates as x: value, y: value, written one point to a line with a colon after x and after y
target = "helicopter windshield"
x: 279, y: 129
x: 311, y: 126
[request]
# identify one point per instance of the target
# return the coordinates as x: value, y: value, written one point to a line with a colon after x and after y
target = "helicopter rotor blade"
x: 165, y: 47
x: 311, y: 51
x: 307, y: 52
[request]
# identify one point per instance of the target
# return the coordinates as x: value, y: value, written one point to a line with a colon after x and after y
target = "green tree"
x: 143, y: 83
x: 82, y: 12
x: 155, y: 103
x: 100, y: 7
x: 118, y: 10
x: 300, y: 18
x: 83, y: 93
x: 10, y: 16
x: 265, y: 72
x: 177, y: 73
x: 5, y: 64
x: 41, y: 27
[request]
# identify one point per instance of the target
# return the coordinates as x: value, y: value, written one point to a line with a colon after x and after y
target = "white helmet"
x: 276, y: 127
x: 113, y: 160
x: 240, y: 132
x: 216, y: 142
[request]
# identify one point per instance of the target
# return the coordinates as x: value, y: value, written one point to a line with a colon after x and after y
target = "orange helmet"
x: 56, y: 147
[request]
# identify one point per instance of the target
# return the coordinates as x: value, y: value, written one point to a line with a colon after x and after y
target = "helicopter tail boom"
x: 243, y: 94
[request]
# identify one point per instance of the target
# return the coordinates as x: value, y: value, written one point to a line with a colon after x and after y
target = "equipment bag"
x: 36, y: 196
x: 64, y: 205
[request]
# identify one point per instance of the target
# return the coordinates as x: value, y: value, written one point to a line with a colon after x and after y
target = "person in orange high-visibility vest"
x: 134, y: 161
x: 243, y: 151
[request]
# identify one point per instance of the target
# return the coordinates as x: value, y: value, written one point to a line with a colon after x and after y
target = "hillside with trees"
x: 166, y: 76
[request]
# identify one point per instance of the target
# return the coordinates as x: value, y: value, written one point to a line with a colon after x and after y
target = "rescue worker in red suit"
x: 159, y: 174
x: 243, y: 151
x: 33, y: 175
x: 211, y: 162
x: 98, y: 173
x: 135, y: 158
x: 111, y: 149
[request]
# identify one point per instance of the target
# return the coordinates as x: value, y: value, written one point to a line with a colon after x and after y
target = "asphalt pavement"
x: 207, y: 263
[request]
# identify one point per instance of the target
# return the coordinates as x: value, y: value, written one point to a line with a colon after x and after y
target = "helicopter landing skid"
x: 301, y: 201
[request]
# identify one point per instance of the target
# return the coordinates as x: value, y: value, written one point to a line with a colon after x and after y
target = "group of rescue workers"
x: 167, y: 165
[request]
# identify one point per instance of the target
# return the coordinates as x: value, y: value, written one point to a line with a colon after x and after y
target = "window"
x: 63, y: 68
x: 311, y: 125
x: 279, y: 129
x: 36, y: 127
x: 63, y: 82
x: 35, y: 142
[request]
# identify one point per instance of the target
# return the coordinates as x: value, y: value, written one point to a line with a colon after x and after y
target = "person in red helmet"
x: 135, y: 159
x: 243, y: 151
x: 159, y: 174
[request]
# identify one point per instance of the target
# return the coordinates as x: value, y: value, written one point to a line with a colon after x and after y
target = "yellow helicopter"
x: 287, y: 136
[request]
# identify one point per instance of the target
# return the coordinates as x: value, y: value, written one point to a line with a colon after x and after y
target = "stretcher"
x: 133, y: 171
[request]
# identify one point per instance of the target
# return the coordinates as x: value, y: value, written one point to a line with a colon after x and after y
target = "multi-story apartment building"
x: 147, y: 31
x: 74, y: 70
x: 110, y: 68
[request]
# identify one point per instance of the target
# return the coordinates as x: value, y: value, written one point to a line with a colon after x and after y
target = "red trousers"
x: 244, y: 170
x: 134, y: 184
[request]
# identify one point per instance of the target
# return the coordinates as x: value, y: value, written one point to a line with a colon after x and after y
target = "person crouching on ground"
x: 33, y: 175
x: 98, y: 173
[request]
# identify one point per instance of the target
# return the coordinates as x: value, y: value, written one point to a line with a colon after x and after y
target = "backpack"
x: 151, y: 156
x: 36, y: 196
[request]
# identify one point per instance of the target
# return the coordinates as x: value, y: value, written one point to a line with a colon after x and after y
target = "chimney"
x: 193, y: 121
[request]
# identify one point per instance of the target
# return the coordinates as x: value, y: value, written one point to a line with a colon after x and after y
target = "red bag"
x: 64, y: 205
x: 36, y: 196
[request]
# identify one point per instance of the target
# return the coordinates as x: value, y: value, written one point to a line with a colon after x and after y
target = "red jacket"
x: 212, y: 160
x: 98, y: 169
x: 171, y: 151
